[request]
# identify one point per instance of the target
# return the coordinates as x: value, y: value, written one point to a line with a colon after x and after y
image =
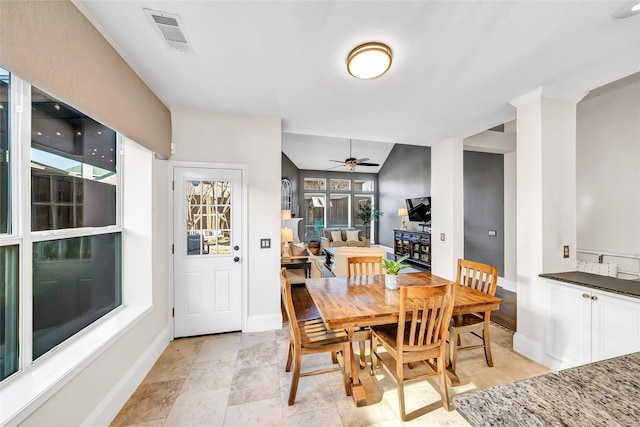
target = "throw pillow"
x: 353, y: 235
x: 336, y: 236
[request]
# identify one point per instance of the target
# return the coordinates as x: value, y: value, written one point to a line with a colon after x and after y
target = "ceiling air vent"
x: 170, y: 28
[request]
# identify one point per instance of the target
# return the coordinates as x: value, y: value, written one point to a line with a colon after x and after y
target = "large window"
x: 69, y: 245
x: 334, y: 202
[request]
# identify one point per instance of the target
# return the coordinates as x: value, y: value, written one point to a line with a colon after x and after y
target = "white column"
x: 447, y: 212
x: 546, y: 203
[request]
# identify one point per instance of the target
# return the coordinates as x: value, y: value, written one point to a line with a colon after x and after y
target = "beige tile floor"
x: 239, y: 380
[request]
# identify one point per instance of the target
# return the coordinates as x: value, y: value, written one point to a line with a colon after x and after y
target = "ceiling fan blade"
x: 364, y: 159
x: 339, y: 161
x: 335, y: 167
x: 367, y: 164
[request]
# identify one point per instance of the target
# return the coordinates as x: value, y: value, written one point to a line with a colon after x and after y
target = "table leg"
x: 357, y: 389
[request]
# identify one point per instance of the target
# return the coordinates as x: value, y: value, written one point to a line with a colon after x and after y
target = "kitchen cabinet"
x: 584, y: 325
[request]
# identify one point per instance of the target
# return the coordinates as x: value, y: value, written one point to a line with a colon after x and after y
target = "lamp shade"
x: 285, y: 214
x: 403, y: 212
x: 286, y: 235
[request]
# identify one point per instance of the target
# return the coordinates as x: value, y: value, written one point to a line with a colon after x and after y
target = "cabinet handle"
x: 594, y: 297
x: 586, y: 296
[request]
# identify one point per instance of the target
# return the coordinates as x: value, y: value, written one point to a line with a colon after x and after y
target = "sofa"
x: 338, y: 237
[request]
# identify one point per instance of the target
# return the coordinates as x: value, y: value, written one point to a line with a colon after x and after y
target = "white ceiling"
x: 456, y: 64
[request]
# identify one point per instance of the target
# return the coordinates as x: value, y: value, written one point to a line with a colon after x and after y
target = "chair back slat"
x: 287, y: 300
x: 431, y: 308
x: 476, y: 275
x: 364, y: 266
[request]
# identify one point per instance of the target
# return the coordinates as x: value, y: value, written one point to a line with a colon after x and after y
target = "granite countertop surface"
x: 605, y: 393
x: 604, y: 283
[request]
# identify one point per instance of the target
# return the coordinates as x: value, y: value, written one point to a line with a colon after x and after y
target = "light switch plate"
x: 265, y: 243
x: 442, y: 236
x: 493, y: 233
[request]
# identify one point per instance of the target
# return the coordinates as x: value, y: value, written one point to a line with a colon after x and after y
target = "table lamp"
x: 286, y: 236
x: 402, y: 212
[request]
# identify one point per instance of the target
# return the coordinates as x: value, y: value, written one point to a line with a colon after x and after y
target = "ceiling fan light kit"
x: 369, y: 60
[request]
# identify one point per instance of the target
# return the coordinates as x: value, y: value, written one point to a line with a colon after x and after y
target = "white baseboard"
x: 528, y: 347
x: 264, y: 322
x: 507, y: 285
x: 107, y: 410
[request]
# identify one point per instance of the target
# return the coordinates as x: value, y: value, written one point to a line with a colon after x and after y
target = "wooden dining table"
x: 358, y: 301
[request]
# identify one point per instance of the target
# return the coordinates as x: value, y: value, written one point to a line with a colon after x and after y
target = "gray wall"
x: 484, y: 208
x: 405, y: 174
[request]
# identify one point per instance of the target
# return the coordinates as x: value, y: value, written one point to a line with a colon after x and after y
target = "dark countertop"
x: 604, y: 283
x: 605, y: 393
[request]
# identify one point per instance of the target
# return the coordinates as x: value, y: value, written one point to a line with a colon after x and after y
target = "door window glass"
x: 208, y: 217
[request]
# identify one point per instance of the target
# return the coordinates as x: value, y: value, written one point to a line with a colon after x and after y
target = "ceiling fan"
x: 351, y: 162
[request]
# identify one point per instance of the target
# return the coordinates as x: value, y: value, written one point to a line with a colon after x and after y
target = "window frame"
x: 22, y: 235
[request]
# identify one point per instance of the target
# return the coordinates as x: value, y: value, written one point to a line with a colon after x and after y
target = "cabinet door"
x: 615, y: 325
x: 567, y: 325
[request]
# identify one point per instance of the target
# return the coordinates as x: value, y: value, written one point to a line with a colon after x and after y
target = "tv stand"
x: 415, y: 244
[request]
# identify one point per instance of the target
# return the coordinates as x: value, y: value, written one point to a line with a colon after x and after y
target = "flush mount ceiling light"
x: 369, y: 60
x: 626, y: 10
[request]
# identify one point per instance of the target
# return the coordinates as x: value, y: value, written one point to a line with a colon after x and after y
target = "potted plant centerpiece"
x: 392, y: 268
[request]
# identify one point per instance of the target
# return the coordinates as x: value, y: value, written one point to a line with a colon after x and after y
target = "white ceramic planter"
x: 391, y: 281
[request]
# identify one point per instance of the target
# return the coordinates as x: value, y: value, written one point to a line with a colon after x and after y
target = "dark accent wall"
x: 405, y: 174
x: 484, y: 208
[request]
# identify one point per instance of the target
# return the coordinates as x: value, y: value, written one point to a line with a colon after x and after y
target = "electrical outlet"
x: 565, y: 251
x: 265, y: 243
x: 442, y: 236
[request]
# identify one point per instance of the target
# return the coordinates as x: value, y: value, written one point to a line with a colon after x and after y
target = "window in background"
x: 363, y: 205
x: 315, y: 184
x: 339, y: 210
x: 339, y: 184
x: 314, y: 214
x: 363, y: 185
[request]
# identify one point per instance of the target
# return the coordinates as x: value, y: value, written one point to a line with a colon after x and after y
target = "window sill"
x: 22, y: 393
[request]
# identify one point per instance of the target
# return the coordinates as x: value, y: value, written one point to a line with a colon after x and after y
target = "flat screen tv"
x: 419, y: 209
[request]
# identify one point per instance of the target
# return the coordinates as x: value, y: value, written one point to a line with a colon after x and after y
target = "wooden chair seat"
x: 314, y: 333
x: 463, y: 320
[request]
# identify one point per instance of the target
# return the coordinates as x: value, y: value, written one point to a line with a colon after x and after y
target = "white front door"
x: 207, y: 205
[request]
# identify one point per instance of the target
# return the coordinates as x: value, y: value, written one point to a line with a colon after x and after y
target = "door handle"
x: 236, y: 259
x: 594, y: 298
x: 236, y: 248
x: 586, y: 296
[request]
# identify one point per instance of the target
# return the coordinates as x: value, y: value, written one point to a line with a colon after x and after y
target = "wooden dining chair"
x: 418, y: 337
x: 363, y: 266
x: 311, y: 336
x: 483, y: 278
